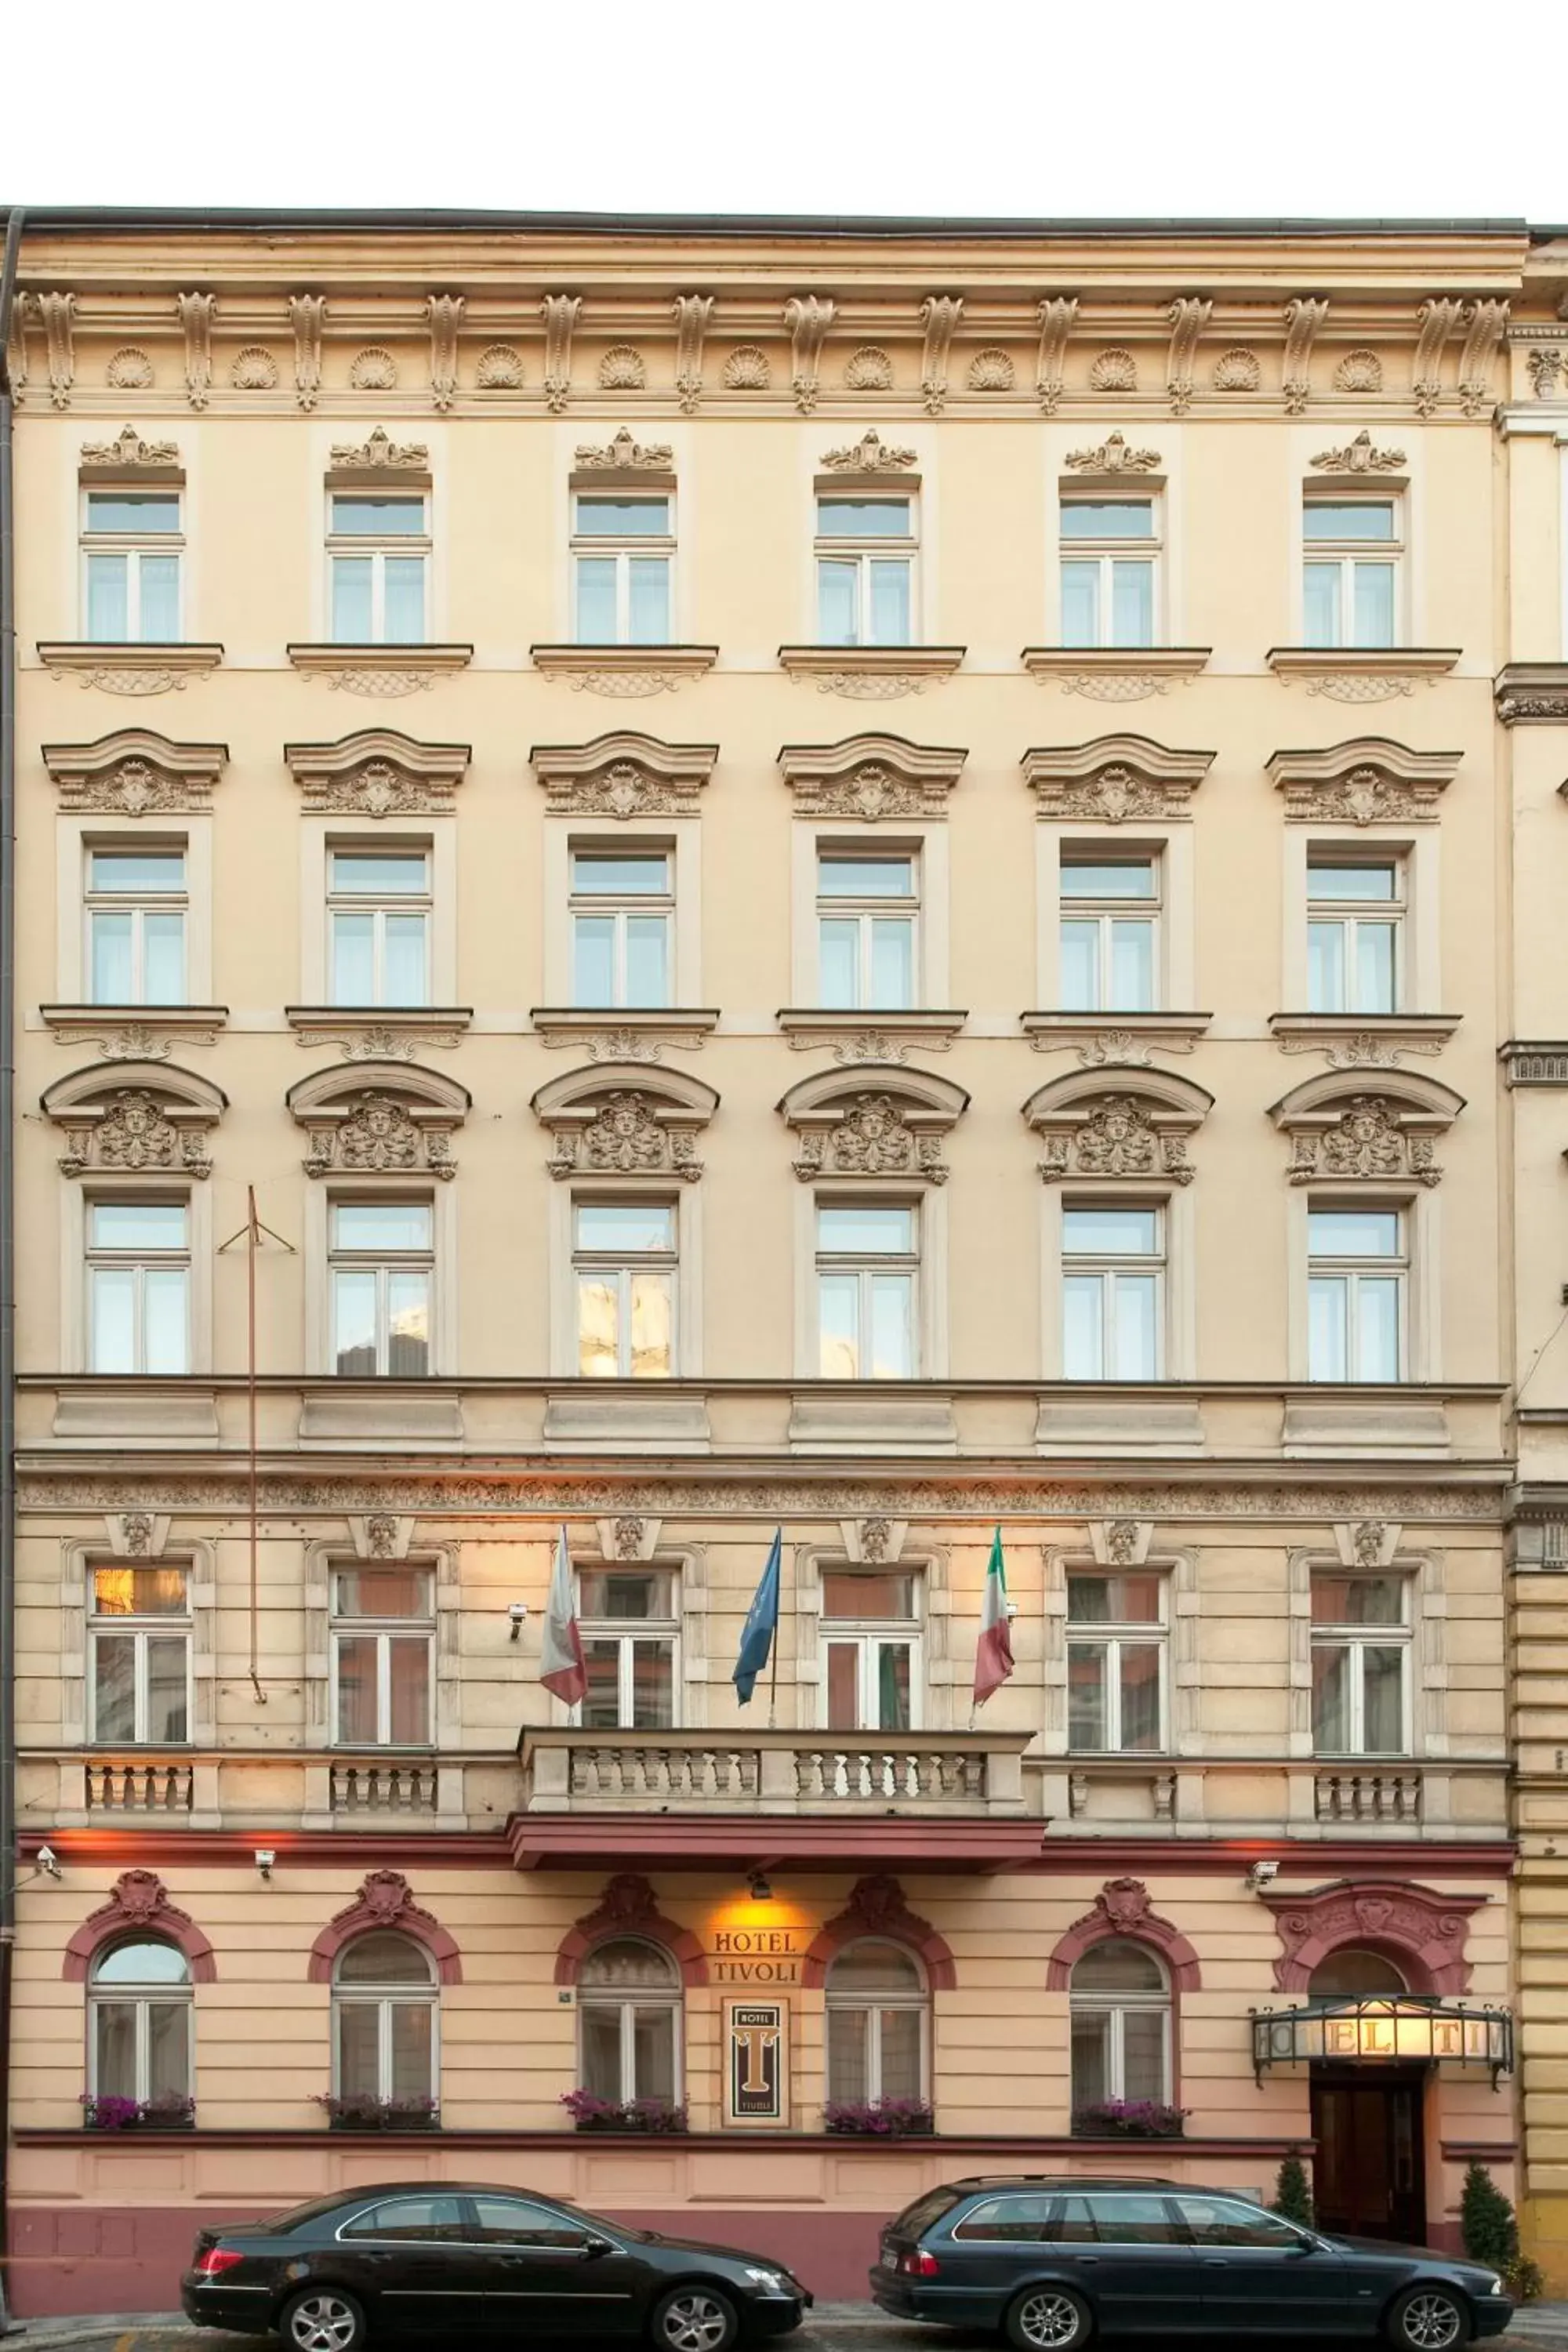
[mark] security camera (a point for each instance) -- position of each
(265, 1858)
(49, 1862)
(1262, 1874)
(517, 1612)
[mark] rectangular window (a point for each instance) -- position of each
(381, 1273)
(1351, 579)
(130, 546)
(623, 552)
(138, 1285)
(1355, 918)
(140, 1635)
(378, 550)
(1360, 1671)
(1113, 1293)
(135, 908)
(1110, 932)
(1358, 1267)
(630, 1620)
(864, 571)
(1116, 1662)
(378, 925)
(871, 1641)
(623, 927)
(383, 1641)
(1110, 559)
(867, 928)
(867, 1268)
(623, 1263)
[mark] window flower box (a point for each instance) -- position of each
(355, 2112)
(171, 2111)
(879, 2118)
(590, 2113)
(1128, 2119)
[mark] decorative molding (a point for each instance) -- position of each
(1138, 1130)
(1115, 1041)
(1113, 371)
(17, 348)
(692, 313)
(1339, 1137)
(372, 1035)
(499, 368)
(444, 317)
(1113, 457)
(877, 1906)
(1056, 315)
(895, 1130)
(1544, 367)
(1359, 371)
(870, 455)
(385, 1901)
(610, 1121)
(253, 369)
(871, 673)
(1436, 321)
(1368, 780)
(131, 1037)
(869, 370)
(1360, 457)
(379, 453)
(1359, 675)
(56, 313)
(1186, 318)
(1529, 694)
(1364, 1041)
(135, 773)
(629, 1908)
(129, 370)
(623, 672)
(941, 315)
(623, 369)
(1238, 371)
(623, 775)
(624, 454)
(806, 319)
(1304, 318)
(1487, 324)
(382, 672)
(624, 1036)
(307, 319)
(1114, 673)
(1114, 778)
(377, 774)
(379, 1118)
(560, 313)
(991, 369)
(131, 669)
(747, 369)
(885, 1037)
(196, 313)
(1536, 1062)
(1122, 1910)
(139, 1904)
(870, 777)
(1423, 1932)
(135, 1118)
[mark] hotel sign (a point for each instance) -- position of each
(759, 1956)
(756, 2068)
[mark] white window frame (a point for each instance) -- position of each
(680, 838)
(1176, 981)
(622, 548)
(1154, 1634)
(867, 1265)
(862, 552)
(865, 912)
(1350, 1270)
(928, 845)
(1115, 2005)
(1108, 1266)
(870, 1635)
(139, 1261)
(620, 907)
(870, 2010)
(1347, 554)
(377, 549)
(1178, 1311)
(1419, 852)
(625, 1631)
(623, 1263)
(1104, 552)
(687, 1317)
(1106, 910)
(140, 1998)
(381, 1261)
(138, 905)
(1400, 1637)
(384, 1999)
(76, 836)
(133, 546)
(382, 1631)
(628, 2003)
(1349, 914)
(378, 906)
(172, 1625)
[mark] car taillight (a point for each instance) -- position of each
(218, 2258)
(920, 2265)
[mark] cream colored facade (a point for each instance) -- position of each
(989, 410)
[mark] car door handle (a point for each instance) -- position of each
(1217, 2261)
(1088, 2260)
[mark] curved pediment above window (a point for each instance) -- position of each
(378, 772)
(1095, 1126)
(626, 1120)
(891, 1130)
(623, 776)
(379, 1118)
(1367, 780)
(135, 772)
(868, 777)
(1114, 778)
(1344, 1133)
(135, 1118)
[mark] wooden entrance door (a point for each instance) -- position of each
(1369, 2179)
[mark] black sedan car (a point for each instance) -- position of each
(1051, 2262)
(456, 2259)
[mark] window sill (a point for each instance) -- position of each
(1106, 1040)
(1361, 673)
(1534, 693)
(389, 670)
(133, 1032)
(614, 1033)
(1114, 673)
(871, 1035)
(629, 672)
(1354, 1041)
(131, 668)
(379, 1032)
(871, 673)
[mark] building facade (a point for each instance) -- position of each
(675, 882)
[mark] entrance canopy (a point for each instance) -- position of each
(1372, 2030)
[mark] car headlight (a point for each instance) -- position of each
(768, 2279)
(1496, 2286)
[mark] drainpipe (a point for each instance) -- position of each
(7, 1239)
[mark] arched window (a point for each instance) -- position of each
(628, 2007)
(878, 2033)
(1355, 1976)
(139, 2021)
(1121, 2004)
(383, 2019)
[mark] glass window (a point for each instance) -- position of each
(1357, 1271)
(868, 1266)
(878, 2028)
(628, 2022)
(1021, 2219)
(1113, 1285)
(621, 592)
(378, 551)
(1355, 912)
(1110, 932)
(135, 908)
(130, 566)
(864, 570)
(138, 1285)
(1230, 2221)
(868, 926)
(139, 1636)
(139, 2021)
(384, 1638)
(1124, 2221)
(1120, 2004)
(378, 925)
(383, 2027)
(1109, 579)
(623, 921)
(381, 1271)
(508, 2222)
(871, 1649)
(629, 1622)
(1360, 1649)
(1350, 596)
(625, 1259)
(428, 2219)
(1116, 1661)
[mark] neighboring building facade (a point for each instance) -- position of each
(858, 883)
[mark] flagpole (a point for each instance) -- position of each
(778, 1637)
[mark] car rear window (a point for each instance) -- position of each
(917, 2218)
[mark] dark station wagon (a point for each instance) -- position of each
(1051, 2262)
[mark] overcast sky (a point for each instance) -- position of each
(949, 106)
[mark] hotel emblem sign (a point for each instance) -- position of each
(756, 2070)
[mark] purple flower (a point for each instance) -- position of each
(110, 2114)
(589, 2112)
(1128, 2119)
(878, 2119)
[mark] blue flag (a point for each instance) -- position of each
(761, 1624)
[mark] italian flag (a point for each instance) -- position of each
(560, 1666)
(993, 1657)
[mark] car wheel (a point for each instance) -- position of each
(323, 2319)
(695, 2319)
(1048, 2319)
(1428, 2319)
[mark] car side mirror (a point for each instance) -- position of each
(594, 2247)
(1303, 2246)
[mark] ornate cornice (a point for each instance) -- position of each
(135, 1118)
(1532, 694)
(1359, 456)
(870, 777)
(893, 1129)
(131, 669)
(134, 774)
(870, 455)
(1113, 457)
(378, 1118)
(378, 774)
(624, 454)
(130, 454)
(1114, 778)
(610, 1121)
(1360, 674)
(1096, 1127)
(379, 455)
(1340, 1136)
(624, 673)
(381, 672)
(1114, 674)
(1367, 780)
(366, 1035)
(871, 673)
